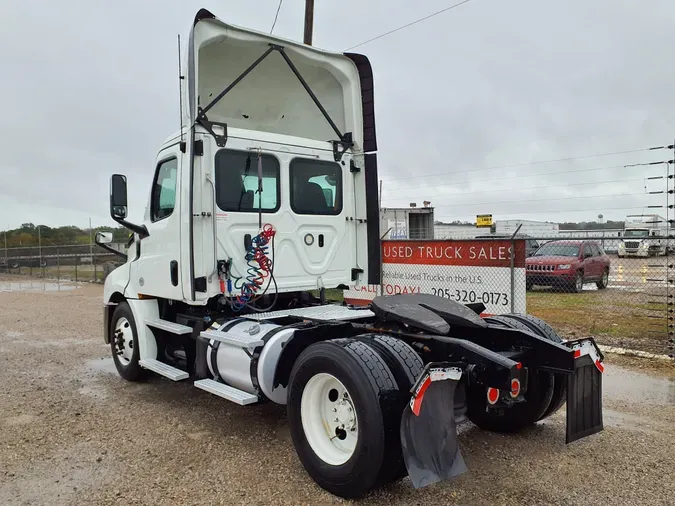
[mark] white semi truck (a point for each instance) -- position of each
(269, 193)
(644, 238)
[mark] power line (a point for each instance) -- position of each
(550, 211)
(591, 169)
(409, 24)
(515, 189)
(524, 201)
(276, 16)
(538, 162)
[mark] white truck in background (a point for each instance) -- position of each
(646, 237)
(270, 192)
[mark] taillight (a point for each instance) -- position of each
(492, 395)
(515, 388)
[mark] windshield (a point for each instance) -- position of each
(558, 250)
(636, 233)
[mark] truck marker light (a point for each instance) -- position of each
(492, 395)
(515, 388)
(577, 353)
(519, 366)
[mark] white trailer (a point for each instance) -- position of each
(268, 192)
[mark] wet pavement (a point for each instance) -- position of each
(36, 286)
(72, 432)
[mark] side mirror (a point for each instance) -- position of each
(103, 237)
(118, 197)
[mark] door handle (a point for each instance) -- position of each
(173, 267)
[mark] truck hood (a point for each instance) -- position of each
(271, 98)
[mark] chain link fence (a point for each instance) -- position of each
(618, 290)
(608, 288)
(77, 263)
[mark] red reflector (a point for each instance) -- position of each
(577, 353)
(492, 395)
(416, 404)
(599, 365)
(515, 387)
(519, 365)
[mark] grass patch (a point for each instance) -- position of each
(628, 316)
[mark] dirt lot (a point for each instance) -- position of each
(73, 432)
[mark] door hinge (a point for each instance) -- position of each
(199, 147)
(353, 167)
(355, 273)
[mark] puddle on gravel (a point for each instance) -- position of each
(646, 425)
(95, 391)
(33, 286)
(626, 385)
(105, 364)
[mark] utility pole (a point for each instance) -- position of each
(91, 243)
(39, 248)
(309, 21)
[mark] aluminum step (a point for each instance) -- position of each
(163, 369)
(239, 340)
(173, 328)
(226, 392)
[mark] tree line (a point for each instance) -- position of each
(28, 235)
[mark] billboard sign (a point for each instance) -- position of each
(465, 271)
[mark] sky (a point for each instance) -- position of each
(90, 89)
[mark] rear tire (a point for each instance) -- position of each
(374, 399)
(543, 329)
(406, 366)
(539, 395)
(604, 280)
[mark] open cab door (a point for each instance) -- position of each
(280, 133)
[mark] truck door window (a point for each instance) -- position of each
(237, 182)
(164, 190)
(316, 187)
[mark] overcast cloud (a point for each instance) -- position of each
(90, 89)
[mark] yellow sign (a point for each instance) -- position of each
(484, 220)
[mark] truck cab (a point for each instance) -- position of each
(300, 161)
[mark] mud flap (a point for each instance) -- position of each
(584, 393)
(428, 429)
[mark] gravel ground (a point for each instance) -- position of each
(73, 432)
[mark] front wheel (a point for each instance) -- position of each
(344, 411)
(124, 343)
(578, 283)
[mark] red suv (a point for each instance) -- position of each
(568, 264)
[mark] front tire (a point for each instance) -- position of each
(124, 343)
(344, 410)
(578, 283)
